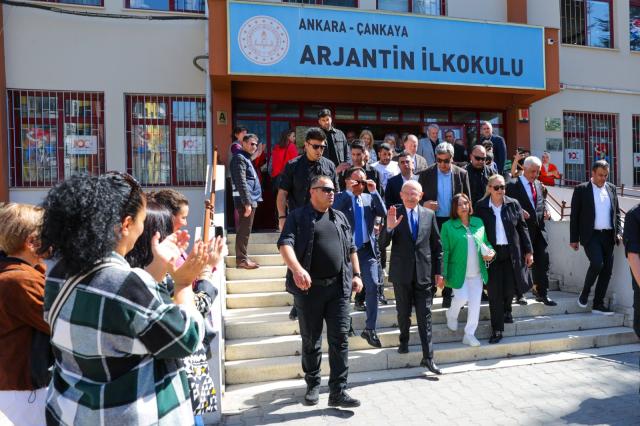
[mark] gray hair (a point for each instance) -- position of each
(444, 148)
(412, 183)
(532, 161)
(482, 123)
(433, 126)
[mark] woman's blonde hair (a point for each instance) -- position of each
(19, 222)
(367, 133)
(490, 182)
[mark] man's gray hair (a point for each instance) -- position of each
(532, 161)
(413, 184)
(444, 148)
(433, 126)
(482, 123)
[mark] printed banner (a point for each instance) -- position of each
(574, 156)
(295, 41)
(81, 145)
(190, 145)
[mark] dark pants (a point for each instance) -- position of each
(447, 292)
(243, 231)
(540, 264)
(636, 309)
(369, 270)
(599, 250)
(318, 305)
(409, 295)
(501, 287)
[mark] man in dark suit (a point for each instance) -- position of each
(441, 181)
(478, 173)
(416, 257)
(394, 184)
(498, 145)
(596, 224)
(357, 160)
(411, 146)
(361, 211)
(527, 189)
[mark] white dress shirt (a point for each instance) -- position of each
(602, 205)
(473, 265)
(501, 235)
(527, 188)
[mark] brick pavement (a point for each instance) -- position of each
(588, 391)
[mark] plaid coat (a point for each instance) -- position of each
(117, 343)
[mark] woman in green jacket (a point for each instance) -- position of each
(466, 248)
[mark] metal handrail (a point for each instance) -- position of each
(561, 206)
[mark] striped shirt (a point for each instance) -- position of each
(117, 342)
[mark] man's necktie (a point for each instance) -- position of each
(357, 212)
(414, 225)
(534, 194)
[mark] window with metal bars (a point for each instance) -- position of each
(587, 22)
(53, 135)
(187, 6)
(423, 7)
(635, 120)
(166, 139)
(98, 3)
(588, 137)
(634, 25)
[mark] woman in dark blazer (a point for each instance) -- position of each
(507, 232)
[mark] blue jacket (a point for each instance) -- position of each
(244, 180)
(373, 206)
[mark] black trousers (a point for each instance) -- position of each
(501, 287)
(324, 304)
(599, 251)
(540, 268)
(447, 292)
(410, 295)
(636, 309)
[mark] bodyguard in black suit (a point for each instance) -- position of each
(416, 257)
(394, 184)
(596, 224)
(527, 189)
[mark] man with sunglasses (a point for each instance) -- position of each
(247, 193)
(441, 181)
(478, 173)
(318, 248)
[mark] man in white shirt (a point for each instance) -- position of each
(386, 167)
(596, 225)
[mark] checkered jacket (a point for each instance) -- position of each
(118, 341)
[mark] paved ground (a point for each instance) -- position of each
(589, 391)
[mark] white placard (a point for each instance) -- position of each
(81, 145)
(636, 159)
(190, 145)
(574, 156)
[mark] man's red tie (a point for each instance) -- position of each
(534, 194)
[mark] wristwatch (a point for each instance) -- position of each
(357, 274)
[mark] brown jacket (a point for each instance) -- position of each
(21, 299)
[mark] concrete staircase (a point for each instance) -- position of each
(263, 345)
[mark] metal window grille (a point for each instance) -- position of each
(587, 22)
(589, 137)
(53, 135)
(636, 149)
(166, 139)
(187, 6)
(422, 7)
(98, 3)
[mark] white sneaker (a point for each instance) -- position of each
(452, 323)
(470, 339)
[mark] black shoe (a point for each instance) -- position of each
(484, 297)
(496, 336)
(343, 400)
(430, 365)
(293, 314)
(403, 349)
(583, 300)
(521, 301)
(359, 306)
(508, 318)
(351, 332)
(371, 337)
(383, 300)
(446, 302)
(546, 301)
(601, 310)
(313, 395)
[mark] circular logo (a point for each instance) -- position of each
(263, 40)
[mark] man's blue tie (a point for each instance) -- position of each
(414, 225)
(357, 212)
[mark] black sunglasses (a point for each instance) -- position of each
(480, 158)
(499, 187)
(316, 147)
(360, 182)
(325, 189)
(441, 160)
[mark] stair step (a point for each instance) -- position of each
(278, 346)
(274, 321)
(255, 248)
(258, 237)
(262, 259)
(273, 299)
(252, 274)
(288, 367)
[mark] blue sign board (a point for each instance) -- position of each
(320, 42)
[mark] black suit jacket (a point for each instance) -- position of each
(421, 163)
(583, 213)
(420, 260)
(392, 191)
(535, 223)
(429, 181)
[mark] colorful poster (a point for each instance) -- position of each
(634, 27)
(190, 145)
(81, 145)
(574, 156)
(552, 124)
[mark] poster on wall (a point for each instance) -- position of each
(190, 145)
(636, 159)
(574, 156)
(81, 145)
(634, 26)
(552, 124)
(554, 144)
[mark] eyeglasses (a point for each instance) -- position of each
(317, 147)
(442, 160)
(359, 182)
(480, 158)
(253, 144)
(134, 185)
(499, 187)
(325, 189)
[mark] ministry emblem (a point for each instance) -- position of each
(263, 40)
